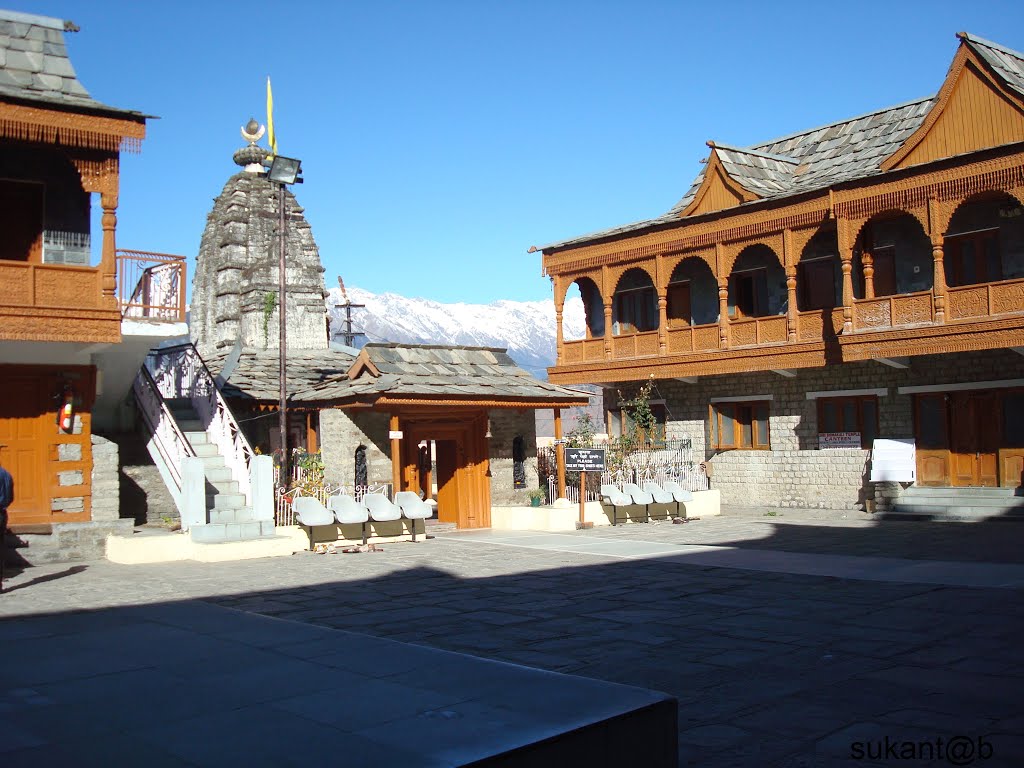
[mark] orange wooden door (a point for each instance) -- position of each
(23, 448)
(974, 439)
(447, 482)
(931, 433)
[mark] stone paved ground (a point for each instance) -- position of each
(770, 669)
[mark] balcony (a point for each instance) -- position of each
(982, 316)
(68, 303)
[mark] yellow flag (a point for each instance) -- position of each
(271, 136)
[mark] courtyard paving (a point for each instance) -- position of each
(799, 638)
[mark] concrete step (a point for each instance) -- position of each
(973, 493)
(212, 462)
(205, 450)
(217, 532)
(240, 515)
(217, 474)
(188, 423)
(226, 501)
(222, 486)
(963, 501)
(197, 437)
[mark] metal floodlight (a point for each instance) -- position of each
(284, 170)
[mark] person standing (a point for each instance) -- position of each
(6, 499)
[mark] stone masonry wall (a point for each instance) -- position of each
(341, 433)
(106, 504)
(506, 424)
(795, 472)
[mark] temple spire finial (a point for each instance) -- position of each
(251, 157)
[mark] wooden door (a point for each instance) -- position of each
(885, 271)
(447, 482)
(23, 447)
(679, 308)
(931, 433)
(974, 439)
(818, 284)
(973, 258)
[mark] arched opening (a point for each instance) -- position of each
(819, 280)
(361, 472)
(583, 311)
(899, 253)
(635, 304)
(757, 284)
(985, 241)
(692, 294)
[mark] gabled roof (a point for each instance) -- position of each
(821, 157)
(34, 65)
(403, 371)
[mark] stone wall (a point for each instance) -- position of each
(106, 493)
(794, 472)
(506, 425)
(341, 433)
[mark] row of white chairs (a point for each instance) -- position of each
(345, 510)
(632, 494)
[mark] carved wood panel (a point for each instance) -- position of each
(969, 301)
(1007, 296)
(772, 330)
(743, 333)
(706, 337)
(872, 313)
(915, 308)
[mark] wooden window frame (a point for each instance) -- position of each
(617, 417)
(756, 277)
(674, 288)
(804, 283)
(979, 238)
(838, 403)
(638, 300)
(722, 410)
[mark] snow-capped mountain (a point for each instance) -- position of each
(525, 328)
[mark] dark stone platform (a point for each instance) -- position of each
(190, 683)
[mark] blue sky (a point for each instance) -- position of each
(440, 140)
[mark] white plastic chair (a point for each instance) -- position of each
(348, 511)
(381, 509)
(661, 496)
(616, 498)
(680, 494)
(639, 496)
(310, 512)
(413, 508)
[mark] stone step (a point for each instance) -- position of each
(962, 501)
(196, 437)
(927, 491)
(955, 513)
(216, 532)
(240, 515)
(226, 501)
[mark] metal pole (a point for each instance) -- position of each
(282, 406)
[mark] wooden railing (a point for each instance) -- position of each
(151, 286)
(819, 324)
(54, 286)
(892, 311)
(693, 338)
(635, 345)
(582, 351)
(758, 330)
(985, 300)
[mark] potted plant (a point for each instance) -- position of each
(536, 495)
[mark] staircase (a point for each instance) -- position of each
(229, 518)
(959, 504)
(201, 453)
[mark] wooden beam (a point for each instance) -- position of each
(559, 453)
(396, 455)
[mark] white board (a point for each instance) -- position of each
(894, 461)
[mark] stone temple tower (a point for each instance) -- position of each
(235, 288)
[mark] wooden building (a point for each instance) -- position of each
(63, 311)
(859, 280)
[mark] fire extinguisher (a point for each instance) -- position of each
(66, 414)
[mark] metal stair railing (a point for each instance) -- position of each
(168, 444)
(181, 373)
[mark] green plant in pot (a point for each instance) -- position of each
(536, 497)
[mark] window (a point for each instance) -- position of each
(679, 310)
(748, 293)
(635, 310)
(620, 423)
(740, 425)
(849, 414)
(818, 284)
(884, 263)
(973, 258)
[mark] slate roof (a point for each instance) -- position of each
(255, 377)
(831, 154)
(406, 370)
(34, 64)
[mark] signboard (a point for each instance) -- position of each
(839, 440)
(395, 435)
(584, 459)
(894, 461)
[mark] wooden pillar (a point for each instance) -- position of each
(396, 456)
(791, 313)
(867, 261)
(662, 322)
(558, 334)
(723, 313)
(559, 453)
(108, 263)
(608, 331)
(939, 280)
(846, 256)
